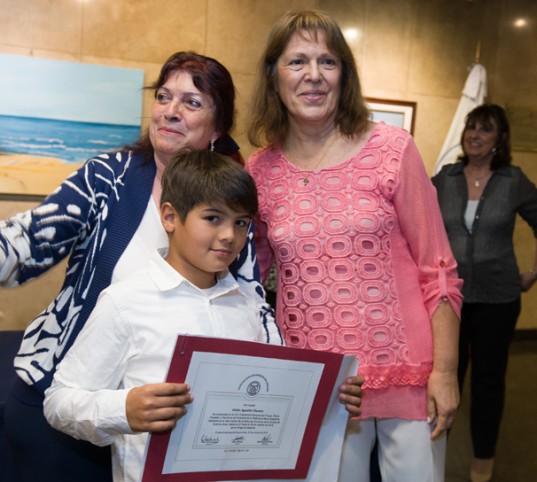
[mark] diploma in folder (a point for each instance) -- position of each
(259, 412)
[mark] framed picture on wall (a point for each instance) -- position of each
(394, 112)
(54, 115)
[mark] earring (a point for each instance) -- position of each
(212, 145)
(493, 150)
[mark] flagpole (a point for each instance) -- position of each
(478, 51)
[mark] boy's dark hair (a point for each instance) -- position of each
(203, 177)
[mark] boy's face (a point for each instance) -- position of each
(206, 243)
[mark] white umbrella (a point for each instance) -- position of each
(473, 94)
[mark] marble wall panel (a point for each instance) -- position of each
(516, 71)
(352, 17)
(446, 39)
(143, 30)
(16, 23)
(387, 45)
(238, 40)
(57, 25)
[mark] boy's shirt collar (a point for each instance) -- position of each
(166, 278)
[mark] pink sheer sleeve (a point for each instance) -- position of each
(422, 226)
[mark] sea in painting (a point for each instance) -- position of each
(72, 142)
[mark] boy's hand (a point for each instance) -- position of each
(156, 407)
(350, 395)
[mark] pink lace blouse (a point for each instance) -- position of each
(363, 262)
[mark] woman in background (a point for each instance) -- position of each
(480, 197)
(364, 264)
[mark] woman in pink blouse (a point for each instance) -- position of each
(364, 265)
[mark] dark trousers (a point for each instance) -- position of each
(42, 454)
(485, 335)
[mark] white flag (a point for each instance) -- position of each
(473, 94)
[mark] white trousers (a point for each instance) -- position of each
(405, 450)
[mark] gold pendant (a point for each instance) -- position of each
(306, 181)
(476, 183)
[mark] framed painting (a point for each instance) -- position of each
(54, 115)
(394, 112)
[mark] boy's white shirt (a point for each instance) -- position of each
(128, 342)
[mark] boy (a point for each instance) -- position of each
(104, 389)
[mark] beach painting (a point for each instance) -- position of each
(54, 115)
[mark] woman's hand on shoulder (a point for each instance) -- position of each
(157, 407)
(350, 395)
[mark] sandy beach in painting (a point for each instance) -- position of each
(23, 174)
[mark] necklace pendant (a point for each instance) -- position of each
(306, 181)
(476, 183)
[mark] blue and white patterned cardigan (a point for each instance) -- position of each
(91, 216)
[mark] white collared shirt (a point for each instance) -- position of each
(128, 341)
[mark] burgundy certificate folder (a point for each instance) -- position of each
(261, 426)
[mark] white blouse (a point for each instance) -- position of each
(469, 214)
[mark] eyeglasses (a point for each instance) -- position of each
(190, 101)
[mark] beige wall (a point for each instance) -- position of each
(413, 50)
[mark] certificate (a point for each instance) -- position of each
(257, 411)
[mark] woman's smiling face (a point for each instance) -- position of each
(181, 117)
(308, 79)
(479, 139)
